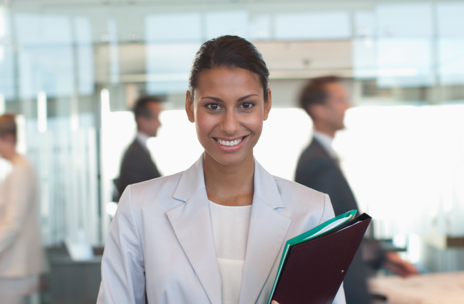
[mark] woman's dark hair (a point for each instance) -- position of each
(229, 52)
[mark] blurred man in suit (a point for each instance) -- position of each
(21, 255)
(326, 100)
(137, 165)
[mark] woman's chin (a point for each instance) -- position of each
(229, 159)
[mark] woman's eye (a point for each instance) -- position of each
(247, 105)
(213, 106)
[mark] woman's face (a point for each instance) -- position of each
(228, 110)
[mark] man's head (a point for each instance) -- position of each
(8, 132)
(146, 112)
(326, 99)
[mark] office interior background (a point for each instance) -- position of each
(72, 69)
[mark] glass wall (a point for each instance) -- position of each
(72, 72)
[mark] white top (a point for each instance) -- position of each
(230, 231)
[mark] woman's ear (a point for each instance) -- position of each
(189, 107)
(267, 104)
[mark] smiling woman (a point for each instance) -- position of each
(215, 232)
(229, 121)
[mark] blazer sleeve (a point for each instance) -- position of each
(16, 208)
(123, 270)
(327, 214)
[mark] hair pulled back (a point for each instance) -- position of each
(230, 52)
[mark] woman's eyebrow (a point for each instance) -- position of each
(220, 100)
(245, 97)
(213, 98)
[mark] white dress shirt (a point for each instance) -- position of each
(142, 138)
(230, 231)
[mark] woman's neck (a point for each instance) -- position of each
(231, 185)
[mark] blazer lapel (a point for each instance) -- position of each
(192, 225)
(268, 230)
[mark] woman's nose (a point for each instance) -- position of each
(230, 122)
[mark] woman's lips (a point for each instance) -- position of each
(230, 145)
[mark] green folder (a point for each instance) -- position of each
(320, 230)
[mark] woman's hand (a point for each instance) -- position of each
(274, 302)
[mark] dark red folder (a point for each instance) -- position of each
(314, 269)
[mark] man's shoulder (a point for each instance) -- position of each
(134, 147)
(314, 164)
(314, 157)
(314, 151)
(134, 152)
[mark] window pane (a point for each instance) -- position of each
(322, 25)
(226, 23)
(450, 19)
(178, 27)
(168, 66)
(45, 57)
(405, 20)
(404, 62)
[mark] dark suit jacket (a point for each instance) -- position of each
(317, 170)
(136, 166)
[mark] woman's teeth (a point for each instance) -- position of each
(229, 143)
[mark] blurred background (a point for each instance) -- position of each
(73, 69)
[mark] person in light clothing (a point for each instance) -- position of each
(215, 232)
(21, 255)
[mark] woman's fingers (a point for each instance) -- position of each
(274, 302)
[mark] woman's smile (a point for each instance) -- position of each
(230, 145)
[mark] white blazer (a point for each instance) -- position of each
(161, 240)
